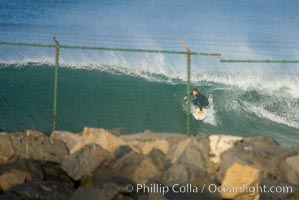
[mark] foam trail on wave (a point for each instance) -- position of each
(262, 113)
(211, 113)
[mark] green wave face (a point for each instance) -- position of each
(123, 99)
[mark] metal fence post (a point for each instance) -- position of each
(55, 85)
(188, 53)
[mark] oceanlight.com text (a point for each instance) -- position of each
(211, 188)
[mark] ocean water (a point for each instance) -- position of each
(140, 91)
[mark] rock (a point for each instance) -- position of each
(238, 176)
(6, 148)
(150, 136)
(34, 133)
(98, 136)
(116, 186)
(53, 171)
(146, 147)
(39, 147)
(291, 169)
(42, 189)
(121, 131)
(8, 197)
(260, 140)
(189, 163)
(265, 156)
(158, 157)
(12, 178)
(193, 151)
(70, 139)
(98, 194)
(183, 174)
(128, 164)
(220, 144)
(84, 161)
(287, 190)
(153, 196)
(37, 169)
(91, 194)
(108, 188)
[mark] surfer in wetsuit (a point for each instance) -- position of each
(201, 101)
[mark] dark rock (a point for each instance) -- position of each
(98, 194)
(9, 197)
(158, 157)
(89, 193)
(42, 189)
(193, 151)
(122, 151)
(38, 147)
(30, 166)
(84, 161)
(128, 164)
(289, 191)
(12, 178)
(117, 185)
(37, 169)
(53, 171)
(182, 173)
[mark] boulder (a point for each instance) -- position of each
(84, 161)
(98, 194)
(148, 135)
(291, 169)
(183, 174)
(37, 169)
(8, 197)
(34, 133)
(189, 163)
(38, 147)
(91, 194)
(285, 190)
(97, 136)
(128, 164)
(220, 144)
(193, 151)
(6, 148)
(70, 139)
(42, 189)
(158, 158)
(153, 196)
(259, 152)
(147, 146)
(12, 178)
(116, 185)
(237, 177)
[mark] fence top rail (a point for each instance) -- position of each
(258, 61)
(108, 48)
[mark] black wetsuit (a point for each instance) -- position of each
(200, 100)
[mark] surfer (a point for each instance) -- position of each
(200, 100)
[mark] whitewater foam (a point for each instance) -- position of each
(211, 113)
(170, 69)
(265, 114)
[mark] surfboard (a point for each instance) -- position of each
(197, 113)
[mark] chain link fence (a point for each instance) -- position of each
(52, 86)
(48, 87)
